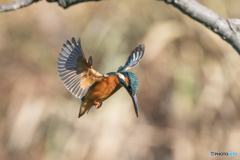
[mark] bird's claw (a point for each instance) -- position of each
(99, 104)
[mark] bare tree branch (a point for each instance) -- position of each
(228, 29)
(25, 3)
(67, 3)
(16, 5)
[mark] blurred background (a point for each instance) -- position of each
(189, 93)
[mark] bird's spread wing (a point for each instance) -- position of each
(134, 58)
(74, 70)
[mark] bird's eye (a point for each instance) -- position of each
(130, 89)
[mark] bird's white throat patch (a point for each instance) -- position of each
(121, 76)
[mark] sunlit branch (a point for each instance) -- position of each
(68, 3)
(16, 5)
(25, 3)
(228, 29)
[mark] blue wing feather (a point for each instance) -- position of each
(134, 58)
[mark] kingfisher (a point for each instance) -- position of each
(92, 87)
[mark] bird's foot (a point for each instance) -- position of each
(99, 104)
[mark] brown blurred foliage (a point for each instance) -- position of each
(188, 95)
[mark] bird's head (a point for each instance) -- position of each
(130, 83)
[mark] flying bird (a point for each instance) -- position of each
(92, 87)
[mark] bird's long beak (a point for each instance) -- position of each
(134, 98)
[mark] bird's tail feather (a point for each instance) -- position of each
(82, 110)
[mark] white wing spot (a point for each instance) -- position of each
(137, 55)
(134, 56)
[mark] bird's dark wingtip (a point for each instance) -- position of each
(90, 61)
(79, 41)
(142, 47)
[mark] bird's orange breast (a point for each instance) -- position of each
(102, 90)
